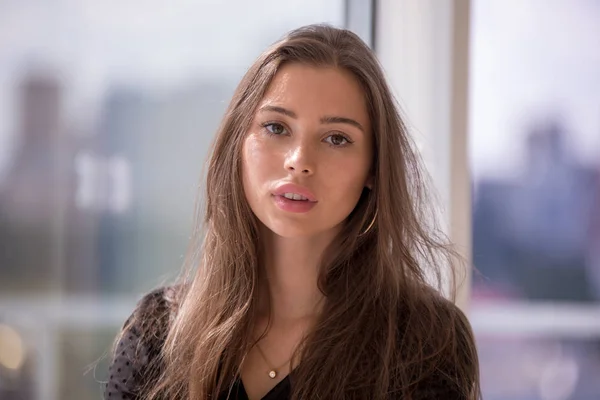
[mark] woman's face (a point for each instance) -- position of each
(307, 155)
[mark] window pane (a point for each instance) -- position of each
(534, 153)
(529, 368)
(106, 116)
(81, 368)
(535, 149)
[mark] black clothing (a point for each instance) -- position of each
(130, 369)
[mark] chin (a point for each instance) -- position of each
(292, 230)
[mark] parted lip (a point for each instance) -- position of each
(293, 188)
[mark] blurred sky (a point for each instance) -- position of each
(532, 59)
(91, 44)
(529, 58)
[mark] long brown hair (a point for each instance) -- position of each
(384, 329)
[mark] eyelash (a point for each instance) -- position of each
(267, 124)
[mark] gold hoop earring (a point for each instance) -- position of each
(370, 225)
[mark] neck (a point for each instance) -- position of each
(291, 268)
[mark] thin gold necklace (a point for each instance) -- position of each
(272, 371)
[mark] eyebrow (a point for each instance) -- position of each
(323, 120)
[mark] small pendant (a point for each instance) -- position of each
(272, 374)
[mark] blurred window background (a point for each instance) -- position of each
(107, 112)
(534, 153)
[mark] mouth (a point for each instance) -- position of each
(300, 205)
(294, 192)
(294, 198)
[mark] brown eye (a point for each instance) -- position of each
(274, 128)
(337, 140)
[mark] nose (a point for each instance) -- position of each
(300, 160)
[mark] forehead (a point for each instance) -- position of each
(317, 91)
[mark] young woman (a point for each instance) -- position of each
(312, 279)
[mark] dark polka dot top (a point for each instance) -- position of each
(136, 360)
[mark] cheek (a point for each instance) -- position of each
(256, 162)
(349, 176)
(346, 183)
